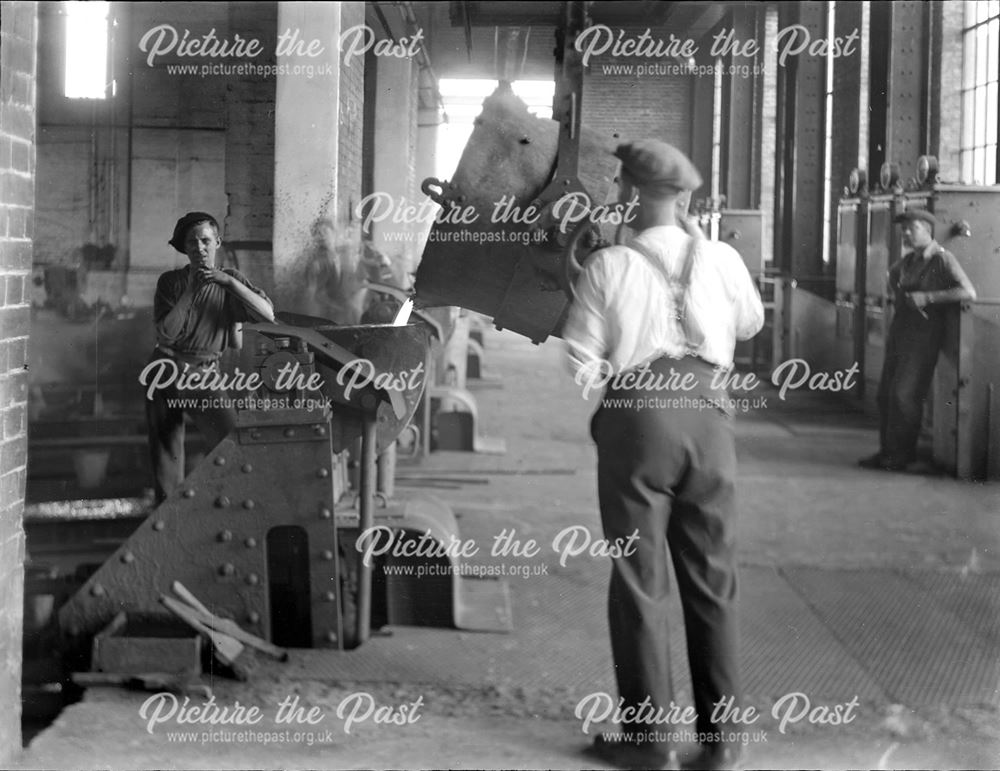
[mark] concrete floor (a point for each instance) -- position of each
(856, 585)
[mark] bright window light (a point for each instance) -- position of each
(831, 17)
(86, 49)
(537, 94)
(463, 101)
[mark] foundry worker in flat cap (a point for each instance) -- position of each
(666, 300)
(197, 311)
(924, 283)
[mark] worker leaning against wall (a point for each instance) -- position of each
(924, 283)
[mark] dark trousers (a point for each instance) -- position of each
(165, 418)
(911, 355)
(669, 473)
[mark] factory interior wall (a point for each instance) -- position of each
(18, 57)
(631, 107)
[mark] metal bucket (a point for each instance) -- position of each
(481, 254)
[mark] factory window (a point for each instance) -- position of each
(717, 130)
(86, 50)
(828, 135)
(981, 45)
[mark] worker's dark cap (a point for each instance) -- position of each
(916, 214)
(185, 223)
(658, 166)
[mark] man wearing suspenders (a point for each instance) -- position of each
(667, 308)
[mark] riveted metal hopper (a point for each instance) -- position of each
(252, 529)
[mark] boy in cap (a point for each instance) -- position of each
(923, 283)
(668, 301)
(196, 310)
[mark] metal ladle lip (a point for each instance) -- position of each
(331, 353)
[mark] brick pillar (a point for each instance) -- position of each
(18, 31)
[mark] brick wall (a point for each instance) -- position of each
(652, 106)
(18, 32)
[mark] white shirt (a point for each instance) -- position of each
(624, 311)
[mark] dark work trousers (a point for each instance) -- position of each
(669, 472)
(911, 353)
(165, 419)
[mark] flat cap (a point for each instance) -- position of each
(653, 164)
(916, 214)
(185, 223)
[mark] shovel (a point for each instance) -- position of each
(228, 650)
(226, 626)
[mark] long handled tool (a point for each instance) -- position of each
(226, 626)
(228, 649)
(149, 681)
